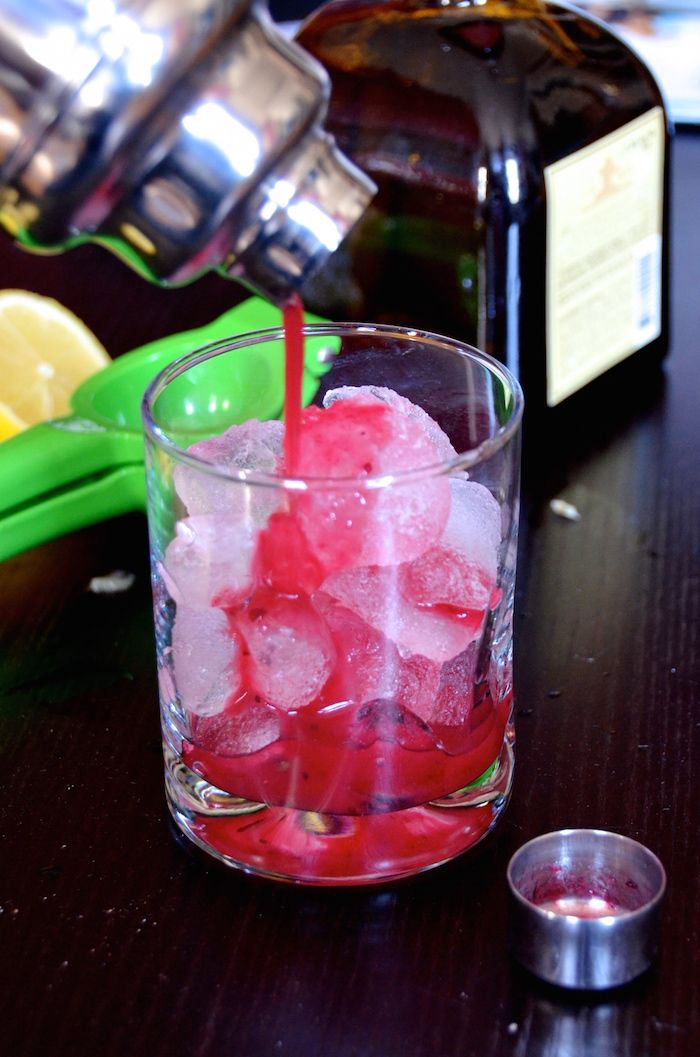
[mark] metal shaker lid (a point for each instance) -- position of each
(183, 134)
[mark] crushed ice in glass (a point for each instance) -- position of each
(206, 659)
(370, 586)
(254, 447)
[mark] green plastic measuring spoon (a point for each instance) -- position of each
(74, 471)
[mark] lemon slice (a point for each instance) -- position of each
(10, 423)
(45, 352)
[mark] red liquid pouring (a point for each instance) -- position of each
(293, 317)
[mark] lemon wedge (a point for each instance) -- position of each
(45, 352)
(10, 423)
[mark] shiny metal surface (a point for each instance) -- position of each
(585, 907)
(296, 217)
(152, 125)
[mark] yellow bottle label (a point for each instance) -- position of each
(604, 225)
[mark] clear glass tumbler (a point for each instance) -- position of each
(335, 647)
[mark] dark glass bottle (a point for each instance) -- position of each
(521, 151)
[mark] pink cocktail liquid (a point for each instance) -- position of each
(353, 730)
(374, 798)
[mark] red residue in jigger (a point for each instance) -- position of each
(583, 894)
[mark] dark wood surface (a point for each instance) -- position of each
(116, 939)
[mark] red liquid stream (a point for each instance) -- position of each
(293, 317)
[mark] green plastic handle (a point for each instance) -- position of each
(96, 499)
(35, 464)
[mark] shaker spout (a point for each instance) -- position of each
(297, 217)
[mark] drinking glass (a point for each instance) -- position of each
(334, 648)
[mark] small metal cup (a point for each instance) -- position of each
(585, 907)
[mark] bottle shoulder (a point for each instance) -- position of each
(501, 65)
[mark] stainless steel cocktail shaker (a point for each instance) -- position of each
(183, 134)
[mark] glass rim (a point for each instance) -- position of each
(461, 461)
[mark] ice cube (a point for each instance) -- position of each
(389, 721)
(206, 660)
(442, 443)
(209, 560)
(367, 664)
(456, 691)
(440, 695)
(375, 594)
(242, 729)
(474, 525)
(362, 437)
(459, 574)
(369, 667)
(288, 650)
(370, 671)
(255, 446)
(446, 578)
(166, 684)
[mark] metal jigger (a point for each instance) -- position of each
(585, 907)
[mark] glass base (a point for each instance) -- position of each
(310, 848)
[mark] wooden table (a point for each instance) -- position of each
(116, 939)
